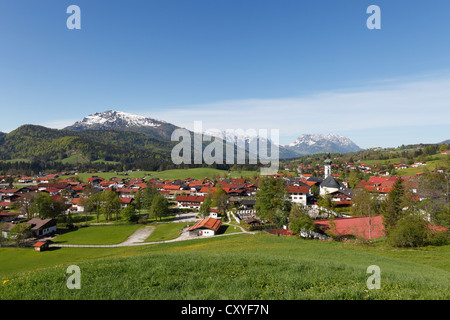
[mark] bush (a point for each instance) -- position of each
(410, 231)
(129, 214)
(142, 220)
(440, 239)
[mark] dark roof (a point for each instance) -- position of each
(37, 223)
(330, 182)
(248, 202)
(346, 191)
(316, 179)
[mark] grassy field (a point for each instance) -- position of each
(235, 267)
(98, 234)
(200, 173)
(167, 231)
(195, 173)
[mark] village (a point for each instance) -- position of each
(186, 197)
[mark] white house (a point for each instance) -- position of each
(298, 194)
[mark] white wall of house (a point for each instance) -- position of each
(191, 206)
(325, 190)
(48, 230)
(213, 215)
(206, 233)
(298, 198)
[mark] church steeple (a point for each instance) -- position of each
(327, 166)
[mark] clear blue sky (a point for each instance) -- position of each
(297, 66)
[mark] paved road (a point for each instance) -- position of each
(140, 235)
(136, 239)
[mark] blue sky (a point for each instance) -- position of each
(297, 66)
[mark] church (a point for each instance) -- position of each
(341, 195)
(329, 183)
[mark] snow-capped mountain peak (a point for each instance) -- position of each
(318, 143)
(123, 121)
(117, 118)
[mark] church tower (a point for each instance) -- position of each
(327, 167)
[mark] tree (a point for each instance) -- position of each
(59, 206)
(220, 199)
(19, 233)
(147, 197)
(110, 203)
(206, 205)
(138, 200)
(364, 205)
(354, 178)
(315, 191)
(326, 202)
(299, 221)
(129, 214)
(281, 218)
(25, 206)
(411, 230)
(160, 207)
(93, 204)
(392, 207)
(10, 181)
(43, 205)
(271, 197)
(434, 190)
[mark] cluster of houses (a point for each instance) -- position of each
(190, 194)
(374, 169)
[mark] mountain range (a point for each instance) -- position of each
(125, 141)
(120, 138)
(122, 121)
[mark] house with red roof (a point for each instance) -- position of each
(126, 201)
(298, 194)
(193, 202)
(77, 204)
(206, 227)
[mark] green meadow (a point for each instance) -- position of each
(195, 173)
(98, 234)
(247, 267)
(167, 231)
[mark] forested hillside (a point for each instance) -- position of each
(31, 144)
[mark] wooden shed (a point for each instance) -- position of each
(40, 246)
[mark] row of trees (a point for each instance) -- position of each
(42, 205)
(108, 204)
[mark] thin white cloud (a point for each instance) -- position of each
(415, 103)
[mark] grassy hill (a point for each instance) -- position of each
(234, 267)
